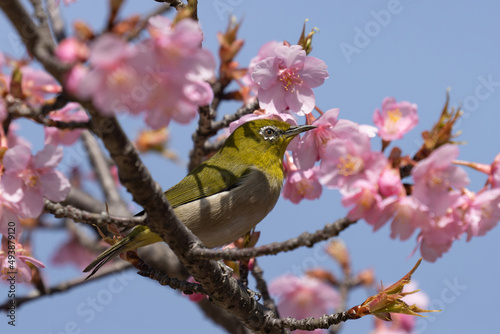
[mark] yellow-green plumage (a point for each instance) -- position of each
(228, 194)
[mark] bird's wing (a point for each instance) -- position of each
(215, 179)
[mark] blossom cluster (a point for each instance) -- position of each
(165, 76)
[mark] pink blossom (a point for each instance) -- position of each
(111, 76)
(9, 212)
(70, 112)
(36, 84)
(21, 266)
(435, 175)
(390, 183)
(286, 78)
(181, 70)
(71, 50)
(328, 127)
(73, 252)
(367, 203)
(409, 214)
(495, 173)
(27, 179)
(395, 119)
(437, 238)
(301, 297)
(265, 51)
(300, 184)
(483, 213)
(73, 78)
(346, 161)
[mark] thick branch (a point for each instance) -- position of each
(305, 239)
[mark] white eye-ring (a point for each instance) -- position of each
(269, 132)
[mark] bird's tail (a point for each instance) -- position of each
(140, 236)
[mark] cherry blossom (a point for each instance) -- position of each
(390, 183)
(20, 266)
(409, 214)
(483, 213)
(27, 179)
(285, 80)
(302, 297)
(346, 161)
(300, 184)
(328, 126)
(395, 119)
(438, 236)
(37, 84)
(70, 112)
(435, 175)
(111, 76)
(9, 212)
(367, 203)
(71, 50)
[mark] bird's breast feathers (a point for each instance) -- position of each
(225, 216)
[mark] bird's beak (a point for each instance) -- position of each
(295, 130)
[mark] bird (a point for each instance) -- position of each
(226, 195)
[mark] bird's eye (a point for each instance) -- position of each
(269, 132)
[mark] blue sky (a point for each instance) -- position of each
(412, 50)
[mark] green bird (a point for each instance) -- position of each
(227, 195)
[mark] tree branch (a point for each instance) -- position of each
(143, 23)
(228, 119)
(99, 219)
(103, 173)
(305, 239)
(310, 323)
(258, 274)
(17, 108)
(185, 287)
(55, 19)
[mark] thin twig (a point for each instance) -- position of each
(17, 108)
(228, 119)
(185, 287)
(258, 274)
(56, 20)
(42, 19)
(99, 219)
(103, 173)
(177, 4)
(305, 239)
(143, 23)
